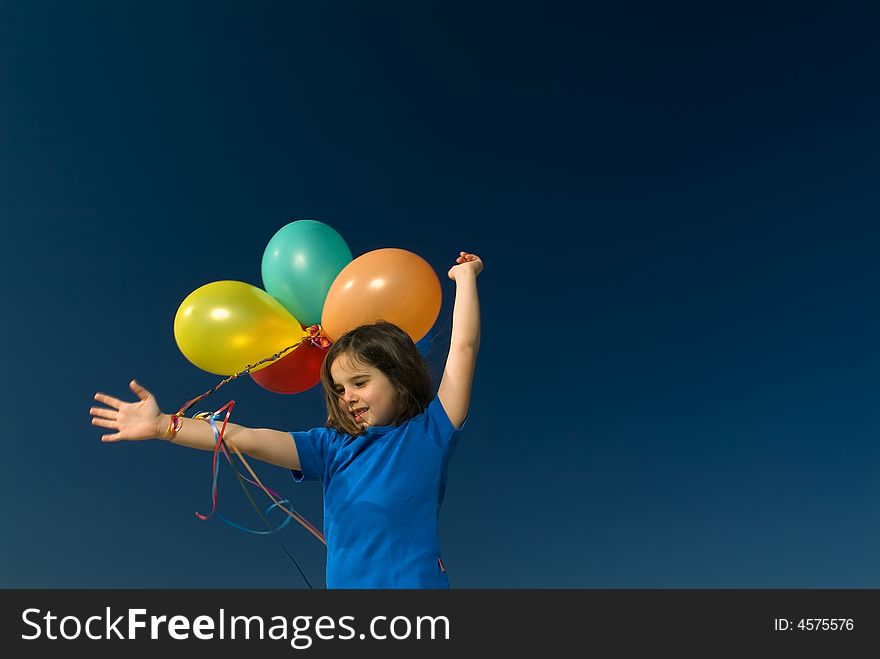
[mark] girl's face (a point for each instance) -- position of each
(363, 391)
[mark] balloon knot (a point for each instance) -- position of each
(317, 338)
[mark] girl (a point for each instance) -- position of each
(383, 457)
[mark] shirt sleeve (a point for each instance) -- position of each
(438, 426)
(311, 447)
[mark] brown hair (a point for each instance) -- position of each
(389, 349)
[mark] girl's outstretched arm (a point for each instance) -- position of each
(458, 376)
(143, 420)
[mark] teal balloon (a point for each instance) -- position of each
(299, 265)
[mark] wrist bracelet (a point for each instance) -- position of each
(173, 426)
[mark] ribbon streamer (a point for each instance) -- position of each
(316, 338)
(220, 445)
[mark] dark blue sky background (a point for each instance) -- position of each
(677, 207)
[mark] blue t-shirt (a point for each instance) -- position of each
(382, 495)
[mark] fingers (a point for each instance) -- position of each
(142, 393)
(109, 418)
(108, 400)
(104, 413)
(105, 423)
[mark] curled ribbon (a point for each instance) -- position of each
(315, 337)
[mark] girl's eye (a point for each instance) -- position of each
(359, 384)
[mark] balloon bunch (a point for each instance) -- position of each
(313, 293)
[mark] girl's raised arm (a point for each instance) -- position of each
(458, 375)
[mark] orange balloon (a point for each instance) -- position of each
(386, 284)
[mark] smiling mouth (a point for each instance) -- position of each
(359, 413)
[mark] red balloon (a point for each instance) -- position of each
(295, 372)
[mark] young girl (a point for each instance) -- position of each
(383, 456)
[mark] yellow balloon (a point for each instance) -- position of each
(224, 326)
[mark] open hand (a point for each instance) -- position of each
(466, 261)
(131, 421)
